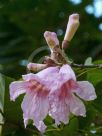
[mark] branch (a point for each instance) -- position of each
(1, 123)
(2, 113)
(86, 66)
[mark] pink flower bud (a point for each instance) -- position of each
(36, 67)
(72, 26)
(51, 39)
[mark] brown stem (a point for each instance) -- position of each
(86, 66)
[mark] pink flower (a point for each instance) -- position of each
(63, 100)
(52, 91)
(35, 104)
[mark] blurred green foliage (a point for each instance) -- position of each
(23, 22)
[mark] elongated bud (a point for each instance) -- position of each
(51, 39)
(72, 26)
(36, 67)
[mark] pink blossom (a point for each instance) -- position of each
(63, 100)
(52, 91)
(35, 104)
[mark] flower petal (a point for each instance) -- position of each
(48, 71)
(29, 77)
(67, 71)
(76, 106)
(17, 88)
(40, 125)
(64, 76)
(58, 109)
(86, 91)
(45, 77)
(35, 107)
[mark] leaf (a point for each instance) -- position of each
(95, 75)
(1, 120)
(88, 61)
(65, 130)
(12, 110)
(98, 102)
(84, 123)
(2, 91)
(72, 128)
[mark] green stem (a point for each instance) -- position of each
(1, 113)
(86, 72)
(1, 123)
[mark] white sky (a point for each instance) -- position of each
(95, 8)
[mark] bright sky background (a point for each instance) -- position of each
(95, 8)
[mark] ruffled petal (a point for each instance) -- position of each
(45, 77)
(35, 107)
(48, 71)
(17, 88)
(31, 77)
(65, 75)
(59, 110)
(86, 91)
(67, 71)
(40, 125)
(42, 74)
(76, 106)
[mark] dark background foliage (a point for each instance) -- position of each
(23, 22)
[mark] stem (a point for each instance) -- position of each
(49, 130)
(1, 123)
(98, 128)
(85, 72)
(86, 66)
(1, 113)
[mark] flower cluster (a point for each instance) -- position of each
(53, 91)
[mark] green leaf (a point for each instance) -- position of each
(84, 123)
(65, 130)
(98, 102)
(72, 128)
(12, 110)
(95, 76)
(2, 91)
(88, 61)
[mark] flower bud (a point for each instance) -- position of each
(36, 67)
(51, 39)
(72, 26)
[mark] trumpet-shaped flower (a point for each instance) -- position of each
(52, 91)
(35, 104)
(63, 99)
